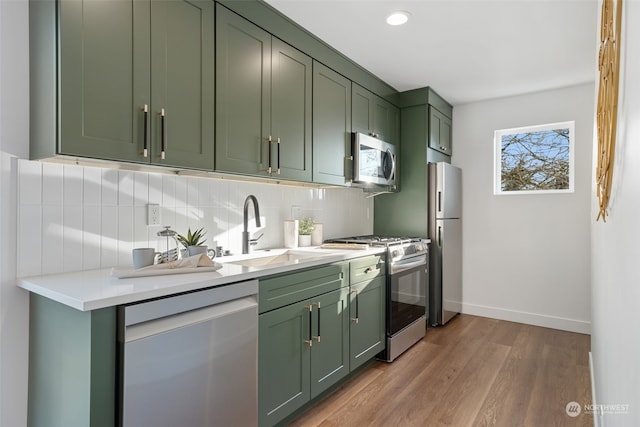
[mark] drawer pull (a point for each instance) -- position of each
(310, 340)
(317, 338)
(278, 159)
(163, 134)
(270, 141)
(145, 137)
(356, 319)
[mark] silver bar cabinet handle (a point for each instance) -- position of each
(270, 141)
(278, 169)
(356, 319)
(310, 340)
(145, 135)
(163, 136)
(317, 338)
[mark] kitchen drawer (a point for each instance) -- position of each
(367, 268)
(281, 290)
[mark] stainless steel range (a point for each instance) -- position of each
(406, 289)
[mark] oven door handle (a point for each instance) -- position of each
(398, 268)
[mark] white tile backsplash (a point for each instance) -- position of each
(78, 218)
(51, 183)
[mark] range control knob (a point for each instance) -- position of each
(395, 253)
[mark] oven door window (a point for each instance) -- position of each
(408, 294)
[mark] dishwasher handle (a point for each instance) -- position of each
(156, 309)
(181, 320)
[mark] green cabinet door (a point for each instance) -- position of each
(124, 62)
(243, 82)
(104, 66)
(367, 332)
(291, 85)
(331, 126)
(439, 131)
(283, 361)
(372, 115)
(361, 109)
(330, 331)
(386, 120)
(182, 82)
(263, 104)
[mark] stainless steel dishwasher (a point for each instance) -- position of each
(191, 360)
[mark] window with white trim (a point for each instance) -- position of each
(534, 159)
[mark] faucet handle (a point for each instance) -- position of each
(255, 240)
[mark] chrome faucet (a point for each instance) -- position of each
(245, 221)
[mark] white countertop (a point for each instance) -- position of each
(95, 289)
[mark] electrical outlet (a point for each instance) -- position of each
(153, 214)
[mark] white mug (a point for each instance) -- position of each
(195, 250)
(143, 257)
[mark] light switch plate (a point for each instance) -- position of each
(153, 214)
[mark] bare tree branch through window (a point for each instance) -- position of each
(535, 159)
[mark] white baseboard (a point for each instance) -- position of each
(596, 416)
(554, 322)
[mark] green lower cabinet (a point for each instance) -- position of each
(367, 330)
(284, 362)
(72, 365)
(303, 350)
(330, 334)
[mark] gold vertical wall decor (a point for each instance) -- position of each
(607, 113)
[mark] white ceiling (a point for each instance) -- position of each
(467, 50)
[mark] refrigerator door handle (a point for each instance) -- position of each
(439, 236)
(439, 201)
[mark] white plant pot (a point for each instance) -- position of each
(291, 233)
(304, 240)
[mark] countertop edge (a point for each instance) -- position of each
(89, 290)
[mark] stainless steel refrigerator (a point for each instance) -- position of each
(445, 231)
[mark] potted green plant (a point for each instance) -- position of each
(194, 241)
(305, 228)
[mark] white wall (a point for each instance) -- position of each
(14, 136)
(615, 342)
(525, 257)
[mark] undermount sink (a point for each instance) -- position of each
(288, 257)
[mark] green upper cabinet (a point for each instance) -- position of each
(425, 128)
(439, 131)
(182, 83)
(291, 89)
(332, 159)
(372, 115)
(122, 64)
(263, 119)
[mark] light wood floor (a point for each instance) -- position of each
(472, 372)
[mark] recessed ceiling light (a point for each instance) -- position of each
(398, 18)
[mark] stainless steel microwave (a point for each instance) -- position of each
(374, 161)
